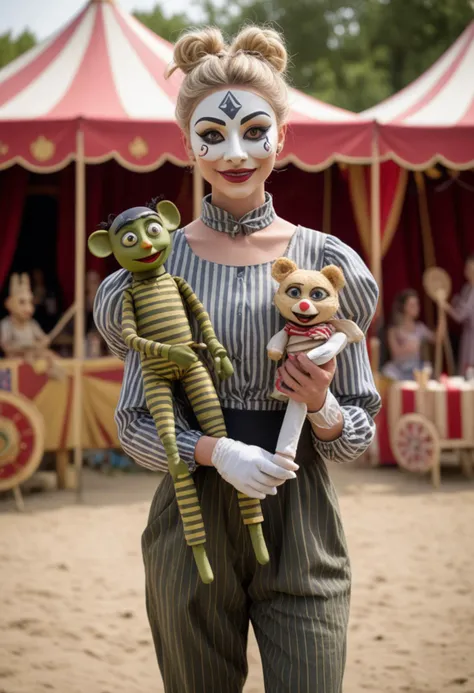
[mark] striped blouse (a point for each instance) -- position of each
(239, 301)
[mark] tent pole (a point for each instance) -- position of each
(375, 238)
(79, 320)
(198, 191)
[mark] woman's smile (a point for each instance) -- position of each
(237, 175)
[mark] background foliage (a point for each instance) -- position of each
(351, 53)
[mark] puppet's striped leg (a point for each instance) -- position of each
(160, 403)
(205, 403)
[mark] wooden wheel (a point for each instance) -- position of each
(416, 443)
(21, 439)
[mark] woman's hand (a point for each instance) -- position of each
(303, 381)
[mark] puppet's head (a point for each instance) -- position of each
(307, 297)
(139, 238)
(20, 302)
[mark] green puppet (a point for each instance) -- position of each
(155, 323)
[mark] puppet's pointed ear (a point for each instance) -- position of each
(169, 215)
(99, 243)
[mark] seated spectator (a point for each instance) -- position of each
(405, 337)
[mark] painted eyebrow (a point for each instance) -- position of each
(295, 284)
(210, 120)
(128, 224)
(253, 115)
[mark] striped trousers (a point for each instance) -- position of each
(298, 604)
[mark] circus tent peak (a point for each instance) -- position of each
(432, 119)
(104, 72)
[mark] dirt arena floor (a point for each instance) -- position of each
(72, 613)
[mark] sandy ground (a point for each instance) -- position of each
(72, 615)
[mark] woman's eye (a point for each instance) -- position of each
(318, 294)
(129, 239)
(293, 292)
(212, 137)
(154, 230)
(256, 133)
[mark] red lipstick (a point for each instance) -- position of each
(237, 175)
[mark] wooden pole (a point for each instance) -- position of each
(198, 191)
(375, 237)
(79, 320)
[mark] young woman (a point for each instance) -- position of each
(405, 337)
(462, 310)
(232, 108)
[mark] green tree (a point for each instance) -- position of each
(168, 28)
(353, 53)
(11, 48)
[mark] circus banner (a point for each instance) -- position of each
(101, 382)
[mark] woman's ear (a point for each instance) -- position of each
(189, 149)
(281, 138)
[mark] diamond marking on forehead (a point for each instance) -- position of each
(230, 105)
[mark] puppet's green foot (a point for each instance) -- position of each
(203, 565)
(258, 543)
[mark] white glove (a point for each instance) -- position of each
(249, 468)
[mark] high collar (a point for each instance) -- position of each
(220, 220)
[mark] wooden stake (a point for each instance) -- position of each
(375, 238)
(20, 505)
(62, 322)
(79, 321)
(198, 192)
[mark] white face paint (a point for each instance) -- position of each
(233, 125)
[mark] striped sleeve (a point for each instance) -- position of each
(136, 429)
(353, 383)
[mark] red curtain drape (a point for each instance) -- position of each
(299, 197)
(111, 189)
(66, 234)
(13, 186)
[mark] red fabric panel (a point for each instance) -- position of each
(418, 145)
(30, 383)
(454, 412)
(408, 401)
(13, 184)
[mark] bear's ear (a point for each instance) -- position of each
(335, 275)
(282, 268)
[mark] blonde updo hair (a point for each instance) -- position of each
(256, 59)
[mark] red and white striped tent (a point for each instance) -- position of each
(103, 75)
(432, 119)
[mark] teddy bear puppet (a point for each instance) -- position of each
(309, 302)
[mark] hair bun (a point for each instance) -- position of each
(267, 42)
(193, 46)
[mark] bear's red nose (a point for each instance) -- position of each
(304, 305)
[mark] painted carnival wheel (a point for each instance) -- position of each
(416, 443)
(21, 439)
